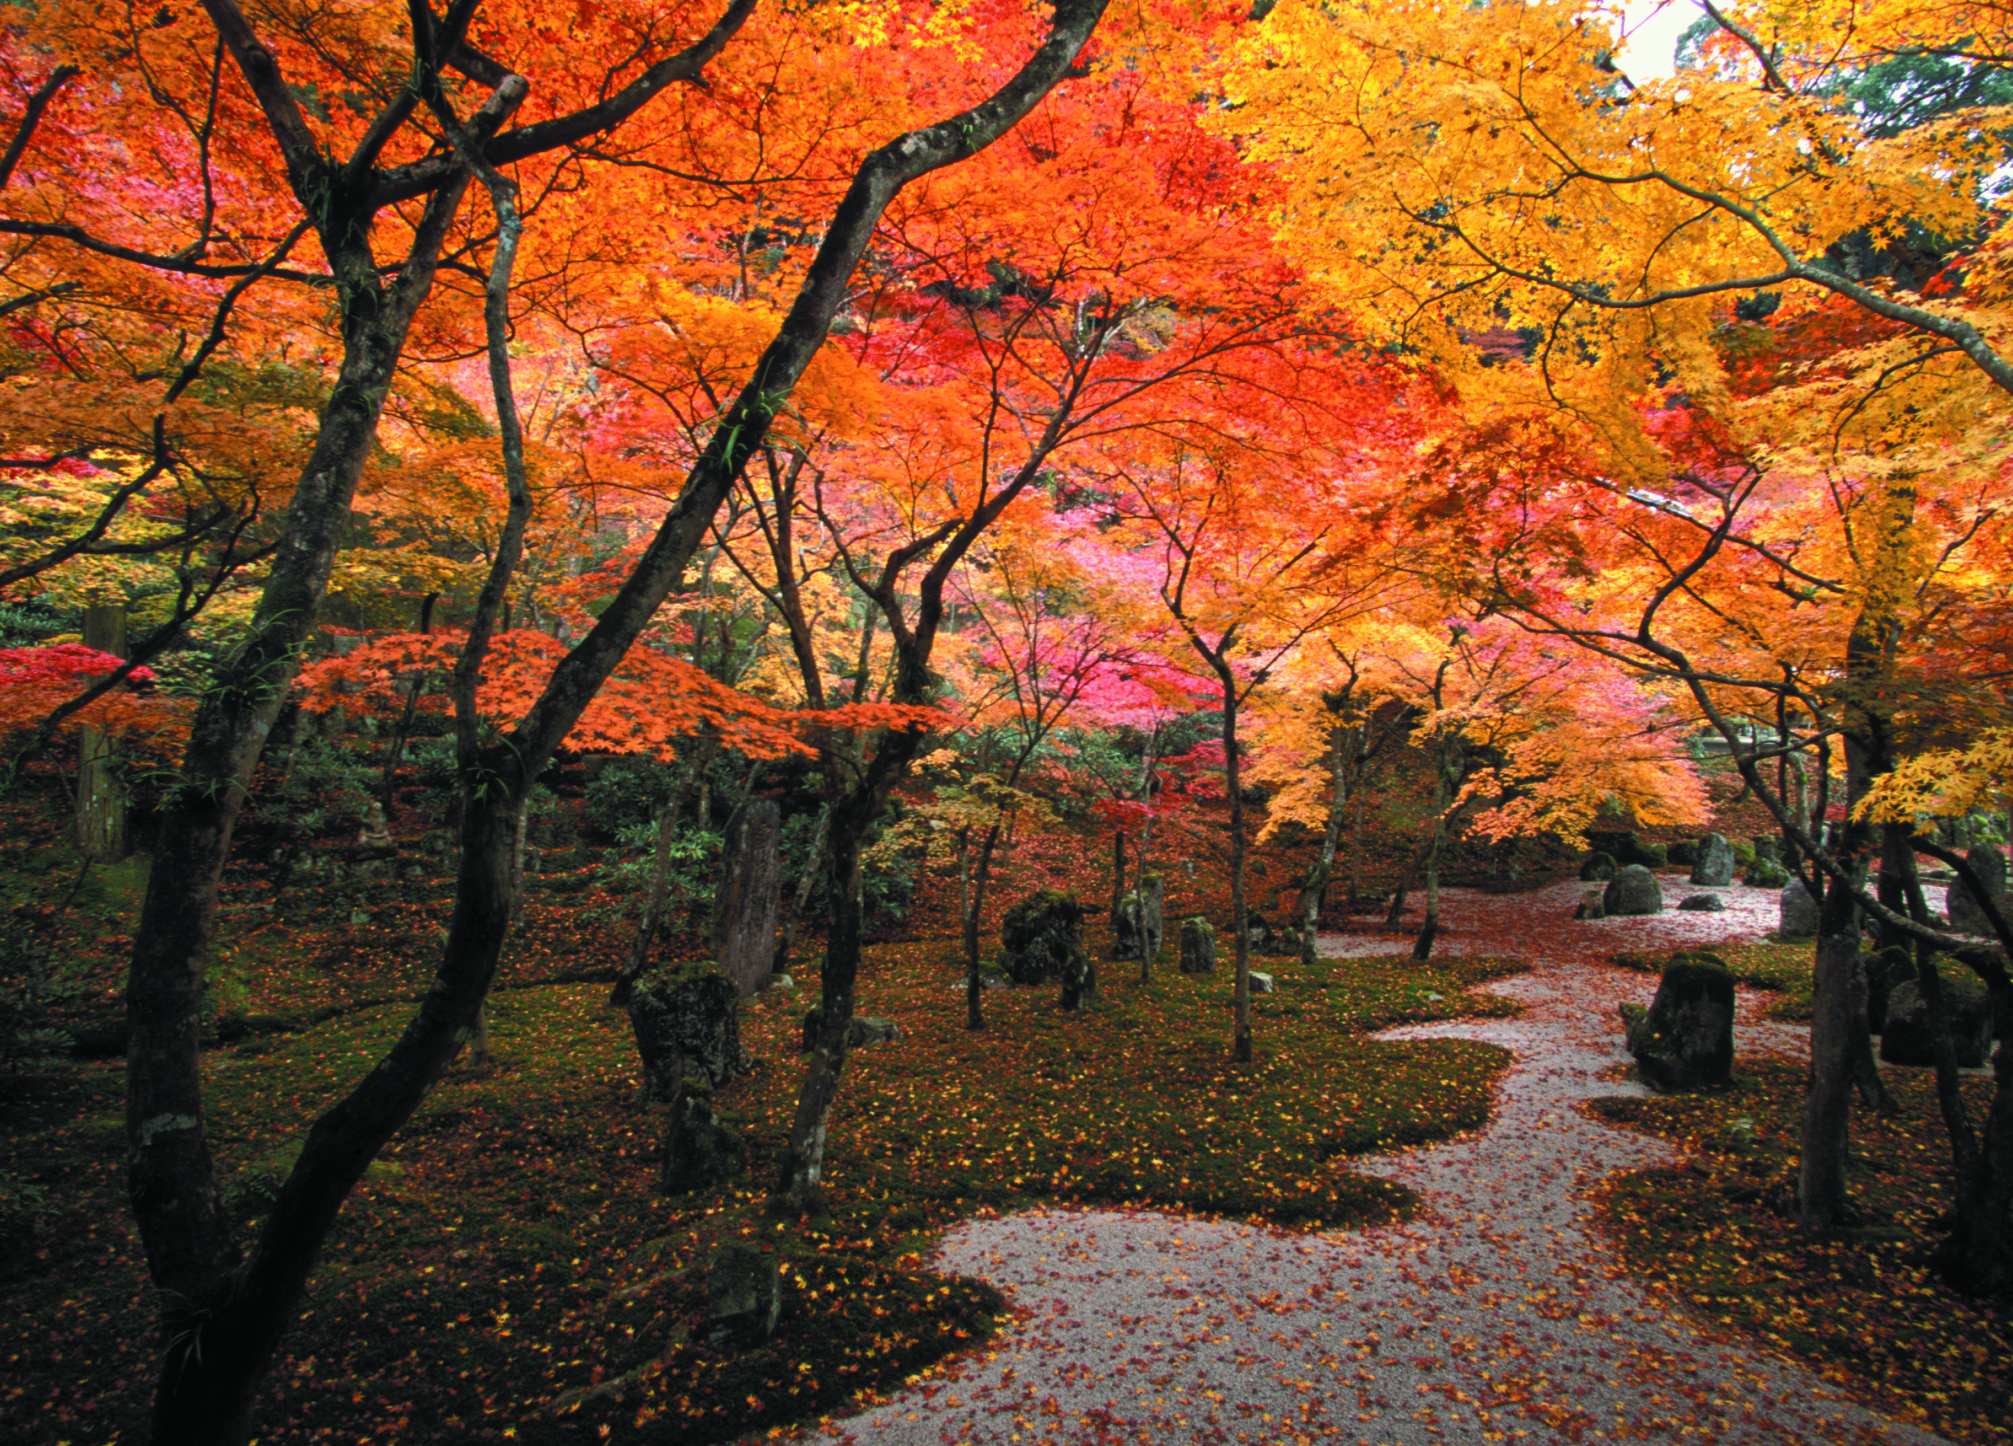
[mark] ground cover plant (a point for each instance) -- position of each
(510, 1248)
(1855, 1302)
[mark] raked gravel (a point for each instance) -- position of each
(1497, 1315)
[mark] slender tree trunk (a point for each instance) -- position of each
(664, 827)
(974, 905)
(786, 935)
(1949, 1087)
(1429, 927)
(1837, 1005)
(1117, 872)
(1331, 838)
(101, 807)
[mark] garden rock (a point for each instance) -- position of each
(1633, 890)
(1799, 912)
(1598, 869)
(1685, 1042)
(1079, 981)
(750, 887)
(688, 1024)
(1261, 983)
(1703, 904)
(1969, 1007)
(1765, 873)
(1714, 867)
(744, 1297)
(1593, 905)
(1681, 854)
(1198, 946)
(700, 1153)
(1966, 917)
(1041, 938)
(862, 1030)
(1884, 971)
(1767, 846)
(1141, 921)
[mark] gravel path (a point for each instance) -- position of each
(1496, 1316)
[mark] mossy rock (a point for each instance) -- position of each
(1765, 873)
(1041, 938)
(1598, 868)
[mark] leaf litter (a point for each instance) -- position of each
(1499, 1312)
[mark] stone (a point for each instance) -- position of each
(700, 1153)
(1140, 923)
(1261, 983)
(1886, 969)
(1702, 904)
(1714, 868)
(1681, 854)
(1799, 912)
(749, 892)
(1966, 917)
(1685, 1041)
(1767, 846)
(1598, 869)
(1966, 1001)
(862, 1030)
(1041, 938)
(1079, 981)
(1593, 905)
(1633, 890)
(1765, 873)
(744, 1297)
(374, 837)
(1198, 946)
(1652, 856)
(687, 1022)
(780, 981)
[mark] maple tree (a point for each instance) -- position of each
(419, 140)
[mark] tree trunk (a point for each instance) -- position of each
(803, 1163)
(1239, 914)
(1331, 838)
(786, 933)
(1837, 1005)
(974, 904)
(1444, 775)
(658, 890)
(101, 806)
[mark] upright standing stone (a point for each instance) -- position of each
(688, 1024)
(1140, 923)
(1686, 1041)
(1041, 938)
(1799, 912)
(744, 910)
(1714, 867)
(1198, 946)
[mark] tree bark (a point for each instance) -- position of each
(101, 808)
(1331, 839)
(222, 1316)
